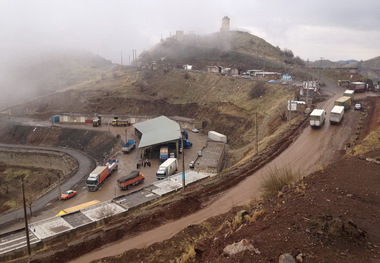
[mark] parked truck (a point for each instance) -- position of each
(187, 144)
(164, 153)
(119, 123)
(127, 181)
(97, 122)
(336, 114)
(129, 146)
(216, 136)
(167, 168)
(349, 93)
(100, 174)
(317, 118)
(343, 101)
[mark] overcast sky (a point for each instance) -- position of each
(332, 29)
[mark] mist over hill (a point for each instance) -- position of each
(24, 76)
(228, 49)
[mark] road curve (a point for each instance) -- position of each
(312, 150)
(86, 165)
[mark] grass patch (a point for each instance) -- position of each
(276, 179)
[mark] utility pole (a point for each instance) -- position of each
(121, 58)
(307, 83)
(257, 134)
(183, 163)
(25, 215)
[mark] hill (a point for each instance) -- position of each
(24, 77)
(228, 49)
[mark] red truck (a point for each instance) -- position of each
(101, 173)
(134, 178)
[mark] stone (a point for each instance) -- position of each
(238, 247)
(286, 258)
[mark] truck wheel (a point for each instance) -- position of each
(128, 187)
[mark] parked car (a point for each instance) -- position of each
(191, 165)
(195, 130)
(358, 106)
(68, 194)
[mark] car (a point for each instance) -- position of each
(358, 106)
(195, 130)
(191, 164)
(68, 194)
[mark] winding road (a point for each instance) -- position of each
(86, 165)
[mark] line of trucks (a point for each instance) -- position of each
(318, 116)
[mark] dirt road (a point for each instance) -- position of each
(313, 150)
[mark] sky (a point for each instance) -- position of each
(328, 29)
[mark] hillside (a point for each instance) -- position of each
(223, 103)
(228, 49)
(39, 73)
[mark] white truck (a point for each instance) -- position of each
(336, 114)
(216, 136)
(167, 168)
(317, 118)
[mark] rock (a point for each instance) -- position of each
(299, 258)
(241, 246)
(286, 258)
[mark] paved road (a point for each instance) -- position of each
(86, 165)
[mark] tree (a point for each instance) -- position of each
(258, 90)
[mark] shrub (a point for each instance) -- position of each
(276, 179)
(258, 90)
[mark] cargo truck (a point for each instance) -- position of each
(187, 144)
(164, 153)
(134, 178)
(97, 122)
(349, 93)
(215, 136)
(167, 168)
(317, 118)
(129, 146)
(119, 123)
(336, 114)
(100, 174)
(343, 101)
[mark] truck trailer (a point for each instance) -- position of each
(169, 167)
(317, 118)
(216, 136)
(119, 123)
(336, 114)
(78, 207)
(129, 146)
(100, 174)
(127, 181)
(164, 153)
(343, 101)
(349, 93)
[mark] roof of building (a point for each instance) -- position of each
(158, 130)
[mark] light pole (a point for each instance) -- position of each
(25, 214)
(183, 162)
(59, 186)
(320, 68)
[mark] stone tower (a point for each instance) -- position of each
(225, 24)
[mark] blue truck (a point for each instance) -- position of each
(129, 146)
(164, 153)
(187, 144)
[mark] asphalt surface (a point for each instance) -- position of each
(86, 165)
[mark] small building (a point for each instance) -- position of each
(234, 71)
(187, 67)
(286, 77)
(213, 69)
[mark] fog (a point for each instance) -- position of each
(334, 30)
